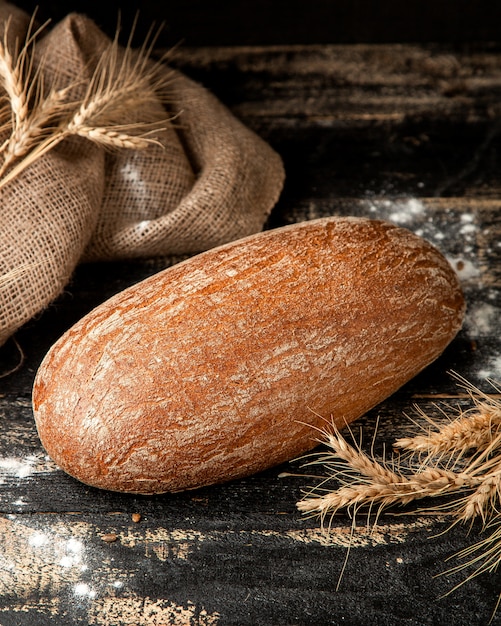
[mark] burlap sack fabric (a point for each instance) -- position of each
(212, 181)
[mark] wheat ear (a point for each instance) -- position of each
(474, 429)
(484, 500)
(371, 482)
(30, 112)
(122, 87)
(12, 77)
(463, 455)
(34, 128)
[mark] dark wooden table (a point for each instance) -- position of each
(400, 132)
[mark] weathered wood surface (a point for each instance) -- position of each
(406, 133)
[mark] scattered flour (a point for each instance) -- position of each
(467, 218)
(24, 467)
(130, 173)
(38, 539)
(143, 227)
(20, 468)
(139, 192)
(406, 212)
(468, 229)
(403, 212)
(481, 319)
(83, 590)
(493, 369)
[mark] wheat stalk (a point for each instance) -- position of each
(114, 111)
(375, 482)
(12, 275)
(471, 430)
(30, 112)
(461, 457)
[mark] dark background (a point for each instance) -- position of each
(265, 22)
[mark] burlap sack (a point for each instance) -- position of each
(211, 181)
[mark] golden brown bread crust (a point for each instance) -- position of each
(218, 367)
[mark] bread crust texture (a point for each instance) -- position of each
(227, 363)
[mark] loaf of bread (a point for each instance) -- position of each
(225, 364)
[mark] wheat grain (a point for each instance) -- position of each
(473, 429)
(113, 138)
(357, 459)
(434, 481)
(483, 502)
(12, 77)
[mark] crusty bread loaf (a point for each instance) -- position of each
(222, 365)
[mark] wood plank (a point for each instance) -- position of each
(361, 83)
(61, 570)
(363, 121)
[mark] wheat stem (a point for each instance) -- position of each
(12, 275)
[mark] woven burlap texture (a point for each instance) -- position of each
(211, 181)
